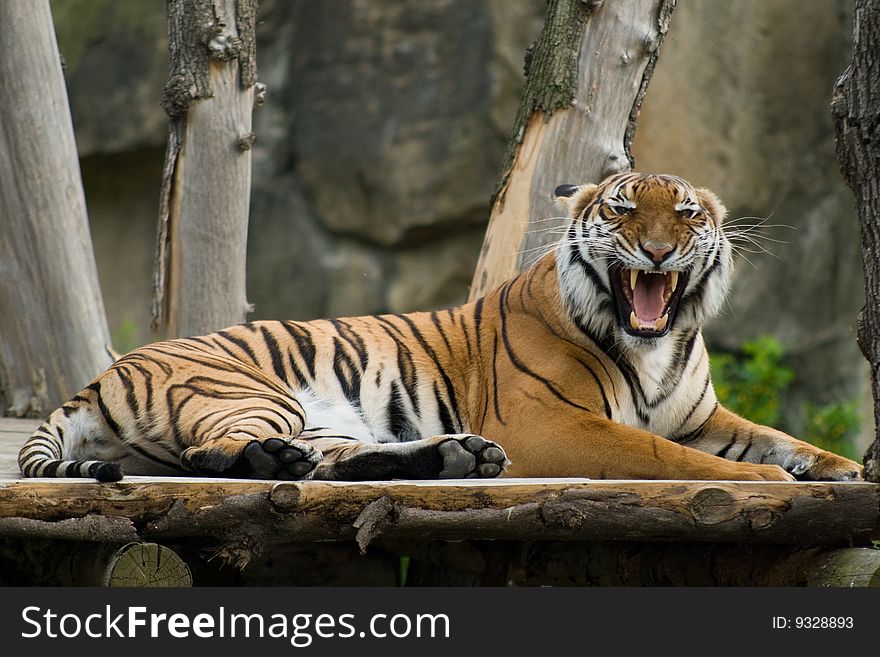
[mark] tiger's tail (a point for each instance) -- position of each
(43, 456)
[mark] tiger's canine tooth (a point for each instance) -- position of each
(673, 280)
(633, 277)
(633, 320)
(661, 323)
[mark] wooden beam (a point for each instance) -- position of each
(245, 515)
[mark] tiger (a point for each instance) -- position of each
(591, 363)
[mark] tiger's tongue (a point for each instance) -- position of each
(648, 296)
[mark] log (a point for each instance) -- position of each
(244, 516)
(199, 275)
(574, 563)
(53, 329)
(67, 563)
(586, 77)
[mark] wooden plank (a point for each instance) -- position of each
(13, 433)
(245, 514)
(19, 425)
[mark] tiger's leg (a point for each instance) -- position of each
(729, 436)
(453, 456)
(586, 445)
(245, 426)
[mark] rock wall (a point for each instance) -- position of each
(375, 157)
(384, 126)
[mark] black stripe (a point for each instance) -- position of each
(726, 448)
(575, 258)
(747, 448)
(450, 391)
(443, 410)
(306, 347)
(51, 468)
(467, 337)
(241, 344)
(398, 421)
(108, 418)
(599, 386)
(518, 363)
(436, 320)
(696, 404)
(478, 320)
(274, 353)
(347, 373)
(494, 386)
(699, 287)
(347, 333)
(696, 433)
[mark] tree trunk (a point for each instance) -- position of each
(199, 283)
(53, 330)
(586, 77)
(856, 111)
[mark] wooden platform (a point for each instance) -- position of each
(242, 513)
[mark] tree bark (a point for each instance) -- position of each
(586, 77)
(856, 111)
(53, 329)
(244, 516)
(199, 279)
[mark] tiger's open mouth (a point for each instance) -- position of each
(646, 301)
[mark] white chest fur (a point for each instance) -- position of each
(667, 389)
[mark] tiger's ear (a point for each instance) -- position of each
(574, 198)
(712, 203)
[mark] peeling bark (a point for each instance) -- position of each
(587, 76)
(199, 274)
(856, 111)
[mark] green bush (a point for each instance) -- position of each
(753, 384)
(833, 427)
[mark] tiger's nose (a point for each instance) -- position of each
(657, 251)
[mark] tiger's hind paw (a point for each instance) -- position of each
(280, 458)
(471, 457)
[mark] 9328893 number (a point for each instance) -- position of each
(822, 622)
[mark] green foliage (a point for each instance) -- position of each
(404, 571)
(753, 384)
(833, 426)
(124, 336)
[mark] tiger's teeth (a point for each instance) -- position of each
(634, 321)
(661, 323)
(673, 280)
(633, 277)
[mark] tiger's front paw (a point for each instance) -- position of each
(823, 466)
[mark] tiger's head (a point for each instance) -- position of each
(643, 256)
